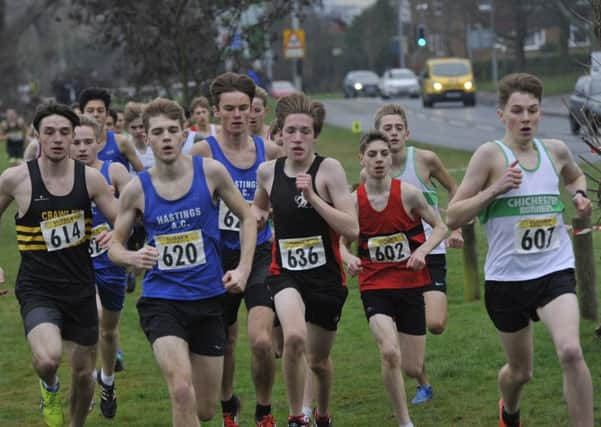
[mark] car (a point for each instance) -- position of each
(361, 83)
(281, 88)
(399, 81)
(448, 79)
(585, 104)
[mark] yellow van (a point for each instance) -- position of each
(448, 79)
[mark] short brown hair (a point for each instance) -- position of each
(519, 82)
(299, 103)
(274, 128)
(262, 95)
(371, 136)
(231, 82)
(133, 111)
(199, 101)
(390, 110)
(163, 107)
(91, 122)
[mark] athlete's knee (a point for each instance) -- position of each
(521, 374)
(570, 354)
(294, 344)
(319, 365)
(206, 410)
(109, 335)
(47, 363)
(261, 345)
(391, 356)
(182, 392)
(413, 369)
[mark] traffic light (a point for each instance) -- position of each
(421, 36)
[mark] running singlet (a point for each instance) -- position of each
(246, 181)
(111, 152)
(527, 237)
(386, 240)
(54, 233)
(185, 233)
(106, 270)
(304, 242)
(410, 174)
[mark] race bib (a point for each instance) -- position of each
(536, 235)
(94, 249)
(227, 220)
(393, 248)
(304, 253)
(180, 250)
(64, 231)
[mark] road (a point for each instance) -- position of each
(453, 125)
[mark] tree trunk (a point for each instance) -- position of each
(564, 35)
(520, 19)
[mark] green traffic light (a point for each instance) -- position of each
(421, 42)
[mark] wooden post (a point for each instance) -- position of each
(586, 276)
(471, 281)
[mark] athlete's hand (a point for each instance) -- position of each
(145, 257)
(510, 180)
(455, 239)
(234, 280)
(104, 238)
(2, 291)
(416, 261)
(583, 205)
(305, 184)
(354, 265)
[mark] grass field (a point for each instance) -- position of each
(462, 363)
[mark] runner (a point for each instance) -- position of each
(55, 284)
(242, 154)
(110, 279)
(256, 118)
(514, 184)
(14, 131)
(181, 305)
(200, 117)
(391, 266)
(95, 102)
(312, 206)
(420, 168)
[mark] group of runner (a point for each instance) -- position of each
(249, 211)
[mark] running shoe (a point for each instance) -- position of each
(230, 419)
(297, 421)
(108, 398)
(52, 407)
(423, 394)
(119, 365)
(322, 420)
(501, 422)
(267, 421)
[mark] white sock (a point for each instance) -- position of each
(409, 424)
(106, 379)
(307, 411)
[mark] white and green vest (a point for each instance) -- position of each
(527, 237)
(409, 174)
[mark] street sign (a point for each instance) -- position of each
(294, 44)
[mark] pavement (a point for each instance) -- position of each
(552, 105)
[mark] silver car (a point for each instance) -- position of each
(399, 81)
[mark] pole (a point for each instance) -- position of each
(400, 35)
(296, 63)
(471, 281)
(493, 53)
(586, 277)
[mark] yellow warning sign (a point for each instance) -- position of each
(356, 126)
(294, 44)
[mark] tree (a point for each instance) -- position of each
(185, 39)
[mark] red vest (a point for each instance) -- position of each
(386, 240)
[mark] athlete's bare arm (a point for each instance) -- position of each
(223, 187)
(119, 176)
(261, 203)
(353, 263)
(126, 146)
(573, 177)
(416, 205)
(479, 187)
(201, 148)
(131, 202)
(31, 151)
(341, 215)
(439, 172)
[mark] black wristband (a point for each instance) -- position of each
(581, 192)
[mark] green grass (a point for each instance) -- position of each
(554, 84)
(462, 363)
